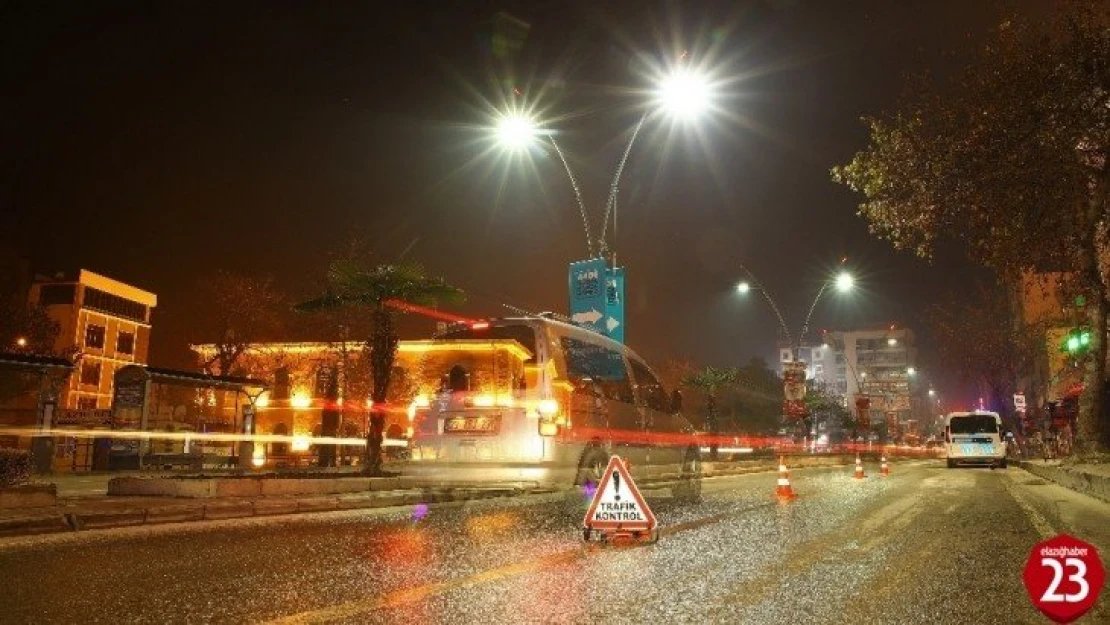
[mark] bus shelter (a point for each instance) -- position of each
(166, 418)
(30, 384)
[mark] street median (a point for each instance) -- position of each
(146, 501)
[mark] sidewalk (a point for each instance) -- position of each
(1089, 479)
(83, 504)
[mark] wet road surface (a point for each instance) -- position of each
(926, 545)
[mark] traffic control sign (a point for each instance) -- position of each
(617, 508)
(1064, 577)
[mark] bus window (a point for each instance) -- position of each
(648, 386)
(521, 333)
(589, 364)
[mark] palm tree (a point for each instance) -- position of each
(350, 283)
(710, 381)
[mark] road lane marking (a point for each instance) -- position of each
(1041, 524)
(408, 596)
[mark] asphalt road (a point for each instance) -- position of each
(926, 545)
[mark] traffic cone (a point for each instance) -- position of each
(784, 490)
(859, 469)
(884, 469)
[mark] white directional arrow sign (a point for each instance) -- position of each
(586, 317)
(611, 323)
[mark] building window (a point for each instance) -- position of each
(125, 343)
(90, 373)
(114, 304)
(94, 336)
(86, 403)
(54, 294)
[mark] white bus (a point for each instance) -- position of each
(974, 438)
(576, 399)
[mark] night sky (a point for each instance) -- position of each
(157, 142)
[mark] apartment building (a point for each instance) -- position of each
(104, 322)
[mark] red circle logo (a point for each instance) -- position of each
(1064, 577)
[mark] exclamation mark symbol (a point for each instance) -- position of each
(616, 486)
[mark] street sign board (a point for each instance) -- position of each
(617, 504)
(614, 304)
(587, 285)
(1019, 401)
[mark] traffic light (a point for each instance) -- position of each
(1077, 342)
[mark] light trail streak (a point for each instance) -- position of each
(219, 437)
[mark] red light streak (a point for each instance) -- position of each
(428, 312)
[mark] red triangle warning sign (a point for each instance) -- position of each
(617, 504)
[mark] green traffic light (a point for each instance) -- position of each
(1085, 338)
(1073, 343)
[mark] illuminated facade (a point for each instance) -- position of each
(299, 374)
(104, 322)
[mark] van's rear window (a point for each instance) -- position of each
(523, 334)
(974, 424)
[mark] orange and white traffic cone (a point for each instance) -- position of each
(884, 469)
(859, 475)
(784, 490)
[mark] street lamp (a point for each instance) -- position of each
(911, 371)
(516, 131)
(844, 282)
(932, 392)
(21, 342)
(743, 287)
(684, 94)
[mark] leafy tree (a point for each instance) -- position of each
(757, 398)
(981, 340)
(1009, 157)
(711, 381)
(23, 328)
(233, 312)
(826, 406)
(350, 283)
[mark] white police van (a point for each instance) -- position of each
(974, 439)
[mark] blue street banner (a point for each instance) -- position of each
(614, 304)
(587, 286)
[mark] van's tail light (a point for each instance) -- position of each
(548, 428)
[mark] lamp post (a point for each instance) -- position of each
(843, 282)
(683, 95)
(794, 372)
(596, 284)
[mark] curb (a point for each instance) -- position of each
(50, 521)
(33, 525)
(1097, 486)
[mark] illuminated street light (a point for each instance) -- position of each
(21, 342)
(844, 282)
(892, 341)
(932, 393)
(911, 371)
(685, 94)
(516, 131)
(743, 287)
